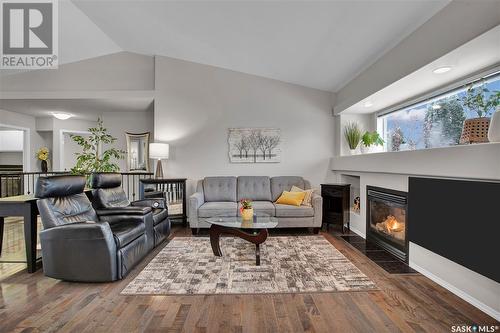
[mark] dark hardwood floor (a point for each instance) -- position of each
(404, 303)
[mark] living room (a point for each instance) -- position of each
(252, 166)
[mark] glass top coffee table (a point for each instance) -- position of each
(254, 231)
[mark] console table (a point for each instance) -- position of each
(173, 190)
(24, 206)
(336, 202)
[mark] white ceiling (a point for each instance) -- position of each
(480, 53)
(316, 44)
(87, 109)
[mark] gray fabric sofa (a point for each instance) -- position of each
(221, 196)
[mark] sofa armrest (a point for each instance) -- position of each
(195, 201)
(84, 251)
(317, 203)
(155, 203)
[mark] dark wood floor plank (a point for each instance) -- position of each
(412, 303)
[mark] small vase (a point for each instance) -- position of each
(354, 151)
(247, 214)
(44, 166)
(494, 130)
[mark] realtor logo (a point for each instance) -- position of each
(29, 34)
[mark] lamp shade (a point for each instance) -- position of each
(158, 150)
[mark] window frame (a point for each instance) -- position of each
(442, 92)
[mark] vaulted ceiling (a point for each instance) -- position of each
(321, 45)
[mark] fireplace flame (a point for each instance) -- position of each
(392, 224)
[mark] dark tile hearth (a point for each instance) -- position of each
(381, 257)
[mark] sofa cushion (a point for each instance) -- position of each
(284, 183)
(126, 231)
(293, 211)
(265, 207)
(219, 189)
(254, 188)
(224, 208)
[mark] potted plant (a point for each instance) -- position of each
(43, 155)
(352, 134)
(91, 159)
(370, 140)
(246, 209)
(475, 130)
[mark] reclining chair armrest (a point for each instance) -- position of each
(317, 203)
(129, 210)
(84, 251)
(125, 216)
(156, 203)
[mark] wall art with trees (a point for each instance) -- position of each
(254, 145)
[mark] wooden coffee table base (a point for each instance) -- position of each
(256, 238)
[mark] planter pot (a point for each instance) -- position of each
(247, 214)
(354, 151)
(371, 149)
(475, 130)
(494, 130)
(44, 166)
(365, 150)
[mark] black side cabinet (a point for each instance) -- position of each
(336, 201)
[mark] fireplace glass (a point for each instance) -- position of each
(388, 219)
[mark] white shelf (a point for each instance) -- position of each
(479, 161)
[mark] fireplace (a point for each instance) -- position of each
(386, 221)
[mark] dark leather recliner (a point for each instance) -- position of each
(76, 244)
(109, 200)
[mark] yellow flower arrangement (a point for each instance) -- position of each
(43, 154)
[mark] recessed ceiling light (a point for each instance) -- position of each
(441, 70)
(61, 115)
(368, 104)
(436, 106)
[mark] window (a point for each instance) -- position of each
(435, 122)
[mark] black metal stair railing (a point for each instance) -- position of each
(19, 183)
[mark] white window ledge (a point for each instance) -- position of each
(478, 161)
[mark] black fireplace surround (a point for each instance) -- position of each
(386, 220)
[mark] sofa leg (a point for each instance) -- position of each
(195, 231)
(316, 230)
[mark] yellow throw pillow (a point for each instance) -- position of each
(291, 198)
(307, 199)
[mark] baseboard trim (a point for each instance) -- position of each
(362, 234)
(460, 293)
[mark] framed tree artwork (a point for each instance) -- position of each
(254, 145)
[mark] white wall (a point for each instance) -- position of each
(27, 123)
(11, 140)
(118, 123)
(59, 143)
(11, 158)
(195, 105)
(117, 71)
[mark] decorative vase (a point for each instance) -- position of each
(494, 130)
(475, 130)
(247, 214)
(44, 166)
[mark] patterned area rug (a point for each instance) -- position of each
(288, 265)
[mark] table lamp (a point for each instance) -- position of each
(158, 151)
